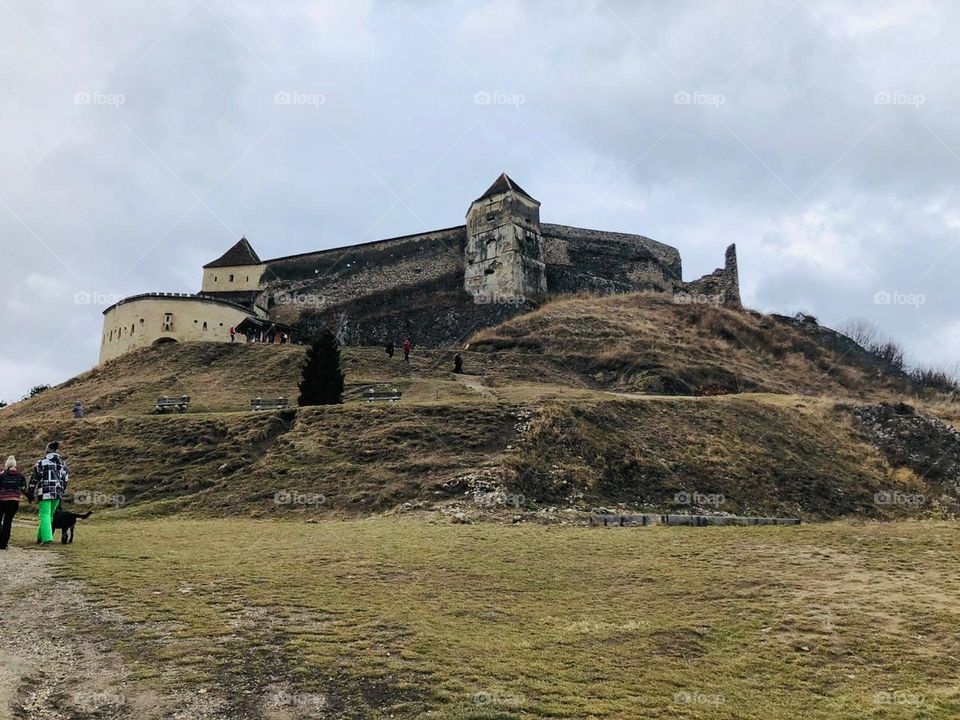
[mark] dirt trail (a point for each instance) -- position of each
(475, 383)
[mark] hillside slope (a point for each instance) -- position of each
(549, 415)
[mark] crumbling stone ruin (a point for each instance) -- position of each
(435, 287)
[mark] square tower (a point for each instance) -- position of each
(504, 253)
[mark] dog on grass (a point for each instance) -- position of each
(64, 521)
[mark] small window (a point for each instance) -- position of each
(231, 278)
(204, 327)
(141, 321)
(248, 278)
(131, 329)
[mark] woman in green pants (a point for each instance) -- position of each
(48, 484)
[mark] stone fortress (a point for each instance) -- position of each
(436, 287)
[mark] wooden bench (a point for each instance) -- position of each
(178, 403)
(268, 404)
(388, 395)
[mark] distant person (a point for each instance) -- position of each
(233, 333)
(283, 338)
(389, 348)
(272, 333)
(12, 484)
(458, 363)
(406, 350)
(48, 485)
(78, 409)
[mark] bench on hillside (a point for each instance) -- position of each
(268, 404)
(389, 395)
(178, 403)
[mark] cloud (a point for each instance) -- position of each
(141, 140)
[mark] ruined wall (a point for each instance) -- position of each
(721, 287)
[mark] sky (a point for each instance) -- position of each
(140, 140)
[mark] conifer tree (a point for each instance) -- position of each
(322, 381)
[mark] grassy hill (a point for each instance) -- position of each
(586, 402)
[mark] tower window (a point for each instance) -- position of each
(204, 327)
(231, 278)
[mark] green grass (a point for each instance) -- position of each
(406, 618)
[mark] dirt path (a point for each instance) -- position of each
(475, 383)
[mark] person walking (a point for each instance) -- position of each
(458, 364)
(406, 350)
(48, 484)
(78, 409)
(233, 333)
(389, 349)
(12, 483)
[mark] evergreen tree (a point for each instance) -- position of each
(322, 382)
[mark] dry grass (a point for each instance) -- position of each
(407, 619)
(643, 342)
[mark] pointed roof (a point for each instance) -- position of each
(505, 184)
(240, 254)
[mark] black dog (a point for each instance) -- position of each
(64, 520)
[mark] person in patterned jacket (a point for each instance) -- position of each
(48, 484)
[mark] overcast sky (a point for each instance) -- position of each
(139, 140)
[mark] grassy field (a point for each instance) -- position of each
(409, 618)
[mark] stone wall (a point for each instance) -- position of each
(579, 259)
(722, 286)
(314, 281)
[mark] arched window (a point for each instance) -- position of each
(204, 326)
(131, 329)
(111, 336)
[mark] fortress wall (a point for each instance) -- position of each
(139, 322)
(605, 262)
(722, 285)
(333, 277)
(238, 278)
